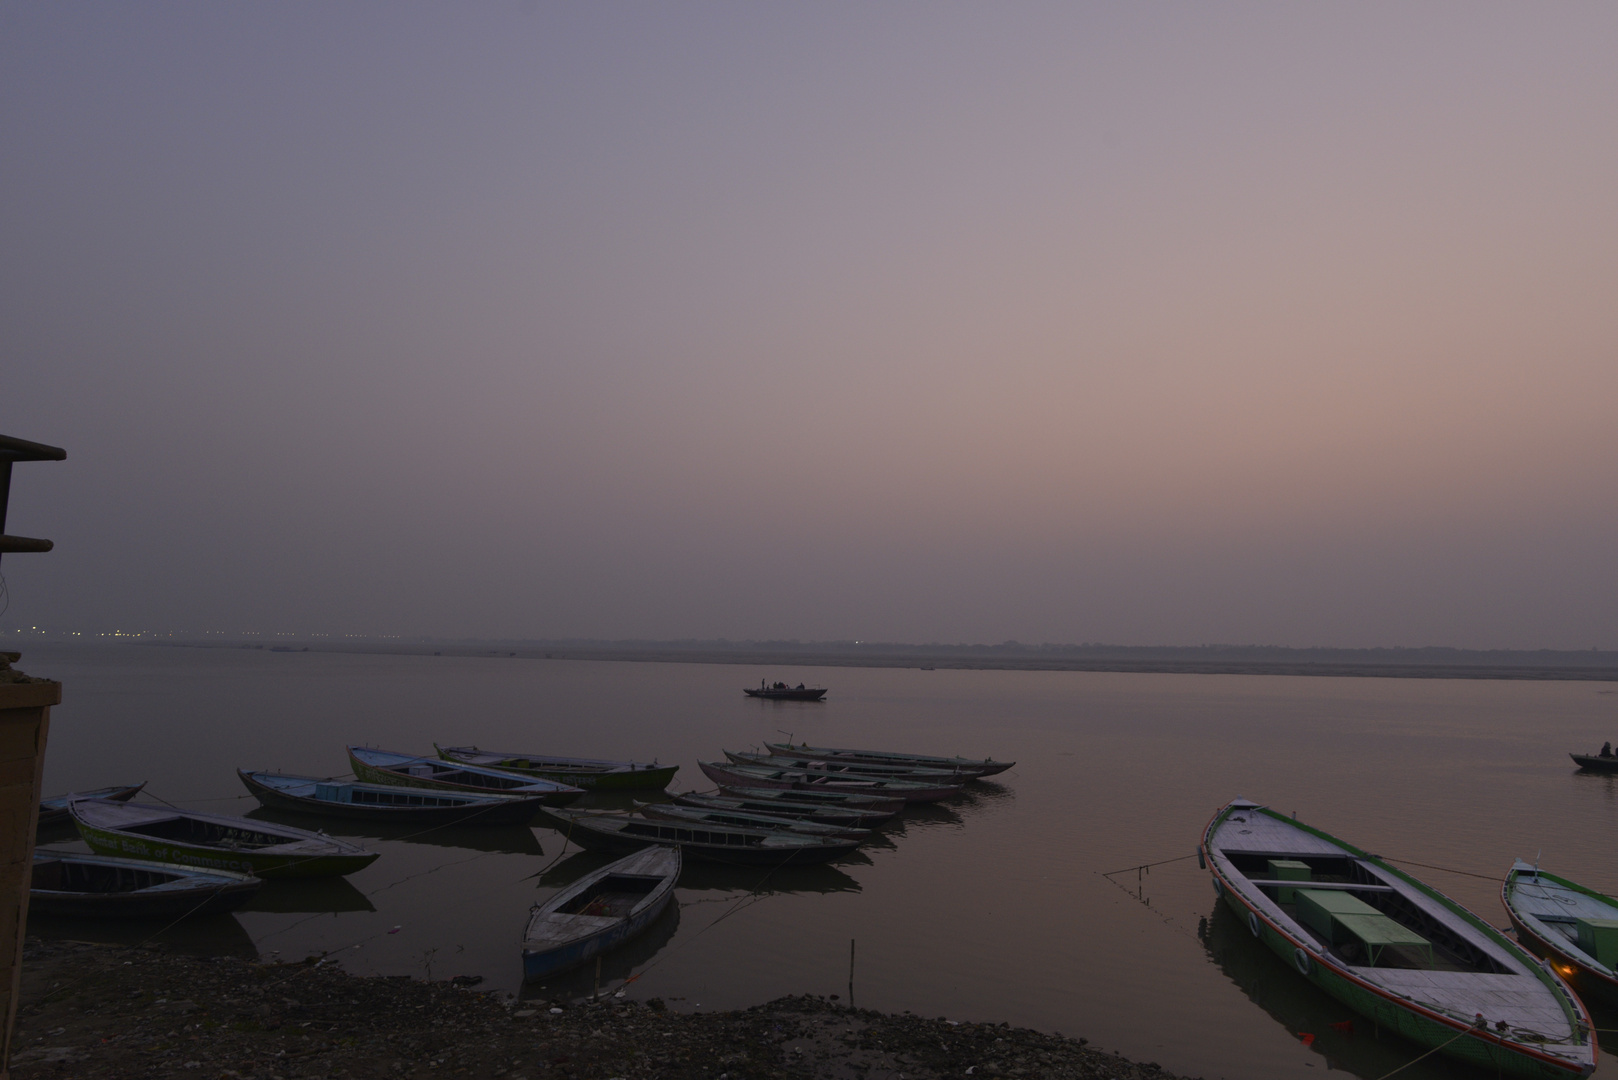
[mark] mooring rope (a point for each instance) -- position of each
(1149, 865)
(743, 901)
(1441, 869)
(1429, 1053)
(1168, 920)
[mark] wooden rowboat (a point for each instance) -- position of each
(1393, 949)
(715, 843)
(53, 811)
(99, 887)
(763, 776)
(852, 800)
(786, 811)
(375, 766)
(213, 841)
(973, 766)
(599, 912)
(746, 820)
(386, 802)
(1574, 927)
(592, 774)
(848, 768)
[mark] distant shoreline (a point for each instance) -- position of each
(1538, 666)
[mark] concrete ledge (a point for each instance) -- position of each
(40, 694)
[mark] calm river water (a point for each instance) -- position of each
(992, 908)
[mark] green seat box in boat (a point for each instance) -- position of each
(1339, 918)
(1288, 870)
(1599, 938)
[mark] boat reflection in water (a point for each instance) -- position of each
(616, 966)
(817, 878)
(923, 816)
(207, 935)
(982, 794)
(297, 896)
(1346, 1040)
(502, 839)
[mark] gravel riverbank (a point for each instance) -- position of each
(109, 1011)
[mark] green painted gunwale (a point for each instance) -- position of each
(260, 864)
(655, 778)
(1585, 977)
(1410, 1019)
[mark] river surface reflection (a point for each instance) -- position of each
(994, 907)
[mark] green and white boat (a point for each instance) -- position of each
(1574, 927)
(1393, 949)
(594, 774)
(163, 834)
(373, 766)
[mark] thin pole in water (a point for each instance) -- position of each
(850, 973)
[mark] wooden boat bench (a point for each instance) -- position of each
(1337, 916)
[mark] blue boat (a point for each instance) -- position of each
(387, 802)
(71, 884)
(599, 912)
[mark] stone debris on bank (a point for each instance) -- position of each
(92, 1011)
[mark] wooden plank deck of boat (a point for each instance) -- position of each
(1464, 994)
(1550, 902)
(1261, 835)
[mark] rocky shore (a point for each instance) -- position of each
(110, 1011)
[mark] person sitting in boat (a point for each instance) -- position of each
(800, 686)
(1606, 749)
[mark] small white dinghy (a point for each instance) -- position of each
(1574, 927)
(599, 912)
(1393, 949)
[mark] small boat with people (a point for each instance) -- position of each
(1394, 949)
(789, 811)
(847, 768)
(53, 811)
(973, 766)
(747, 820)
(1604, 761)
(1571, 925)
(166, 834)
(374, 766)
(731, 774)
(326, 797)
(780, 691)
(621, 832)
(74, 885)
(599, 912)
(591, 774)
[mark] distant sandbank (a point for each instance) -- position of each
(1383, 663)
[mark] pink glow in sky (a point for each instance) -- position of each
(1148, 324)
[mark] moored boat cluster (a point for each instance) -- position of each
(795, 805)
(1414, 961)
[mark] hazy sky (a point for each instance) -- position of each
(1145, 323)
